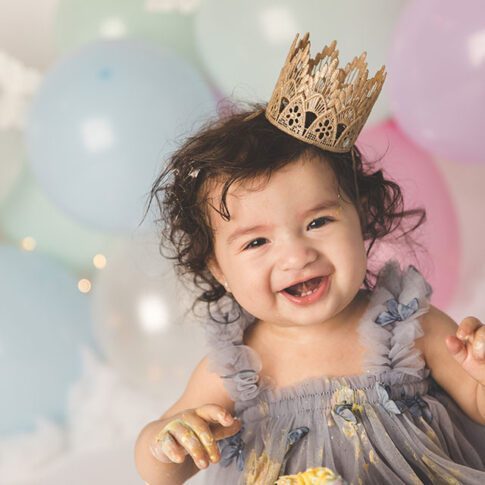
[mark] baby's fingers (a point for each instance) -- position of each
(221, 433)
(201, 428)
(181, 430)
(213, 413)
(166, 449)
(467, 328)
(478, 346)
(223, 423)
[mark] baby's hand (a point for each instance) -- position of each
(468, 347)
(194, 432)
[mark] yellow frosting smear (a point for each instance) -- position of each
(312, 476)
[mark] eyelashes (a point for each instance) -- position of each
(322, 222)
(250, 244)
(326, 219)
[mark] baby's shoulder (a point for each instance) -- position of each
(436, 325)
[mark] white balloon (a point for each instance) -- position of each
(244, 43)
(142, 320)
(27, 30)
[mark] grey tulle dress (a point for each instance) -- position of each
(392, 424)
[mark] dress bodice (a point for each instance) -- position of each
(387, 425)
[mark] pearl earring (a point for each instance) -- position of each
(226, 286)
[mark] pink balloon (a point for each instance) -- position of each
(423, 186)
(437, 77)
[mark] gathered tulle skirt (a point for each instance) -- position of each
(373, 429)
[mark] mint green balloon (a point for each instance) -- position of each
(12, 155)
(244, 43)
(28, 212)
(166, 23)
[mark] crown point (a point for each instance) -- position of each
(332, 95)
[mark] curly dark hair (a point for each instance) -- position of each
(242, 144)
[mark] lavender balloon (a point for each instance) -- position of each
(437, 77)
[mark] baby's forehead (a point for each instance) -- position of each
(300, 181)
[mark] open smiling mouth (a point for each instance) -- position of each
(307, 291)
(304, 289)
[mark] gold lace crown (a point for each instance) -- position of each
(320, 103)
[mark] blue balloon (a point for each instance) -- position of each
(102, 122)
(44, 321)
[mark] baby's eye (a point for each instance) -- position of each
(319, 222)
(253, 243)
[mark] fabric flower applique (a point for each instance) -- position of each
(232, 448)
(344, 405)
(385, 400)
(293, 437)
(346, 411)
(397, 312)
(417, 406)
(297, 434)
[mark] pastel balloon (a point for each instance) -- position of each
(466, 186)
(44, 321)
(140, 311)
(28, 212)
(12, 158)
(168, 24)
(257, 36)
(102, 123)
(423, 185)
(437, 77)
(26, 31)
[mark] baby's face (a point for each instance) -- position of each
(278, 236)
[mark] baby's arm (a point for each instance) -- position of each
(465, 390)
(203, 388)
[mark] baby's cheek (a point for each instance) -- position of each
(249, 290)
(355, 269)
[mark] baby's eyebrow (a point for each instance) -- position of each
(326, 205)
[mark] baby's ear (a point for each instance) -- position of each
(215, 269)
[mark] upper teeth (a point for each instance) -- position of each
(306, 293)
(305, 288)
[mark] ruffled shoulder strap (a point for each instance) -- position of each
(391, 323)
(237, 364)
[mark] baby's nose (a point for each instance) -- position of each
(296, 255)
